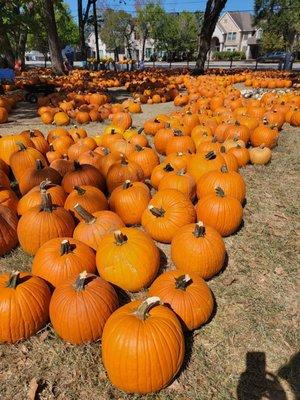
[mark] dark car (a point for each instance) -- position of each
(274, 56)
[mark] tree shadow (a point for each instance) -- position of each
(255, 383)
(290, 372)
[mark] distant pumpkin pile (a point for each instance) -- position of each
(80, 199)
(7, 103)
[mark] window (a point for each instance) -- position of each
(148, 52)
(231, 35)
(245, 36)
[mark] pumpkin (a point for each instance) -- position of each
(264, 135)
(151, 127)
(198, 249)
(4, 180)
(83, 175)
(260, 155)
(33, 176)
(122, 146)
(47, 117)
(127, 331)
(121, 171)
(62, 258)
(8, 198)
(295, 118)
(93, 226)
(146, 158)
(182, 181)
(178, 160)
(90, 300)
(24, 158)
(90, 157)
(108, 160)
(159, 172)
(222, 212)
(232, 143)
(76, 149)
(211, 144)
(8, 145)
(37, 138)
(202, 162)
(8, 229)
(61, 118)
(139, 139)
(3, 115)
(274, 118)
(161, 139)
(119, 256)
(33, 197)
(62, 144)
(52, 154)
(167, 211)
(180, 142)
(46, 221)
(122, 120)
(230, 160)
(4, 167)
(188, 295)
(241, 154)
(24, 305)
(56, 133)
(238, 131)
(90, 197)
(63, 166)
(82, 117)
(129, 201)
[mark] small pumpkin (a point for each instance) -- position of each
(182, 181)
(121, 171)
(241, 154)
(8, 229)
(260, 155)
(202, 162)
(146, 158)
(83, 174)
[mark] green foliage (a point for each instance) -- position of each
(280, 21)
(229, 55)
(149, 20)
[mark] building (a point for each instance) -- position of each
(235, 32)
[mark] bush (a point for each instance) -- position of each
(229, 55)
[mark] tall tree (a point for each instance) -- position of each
(53, 39)
(212, 12)
(188, 27)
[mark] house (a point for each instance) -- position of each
(235, 31)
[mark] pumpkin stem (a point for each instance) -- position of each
(80, 190)
(65, 157)
(77, 165)
(199, 230)
(224, 168)
(80, 281)
(113, 131)
(210, 155)
(39, 164)
(214, 139)
(182, 281)
(262, 146)
(127, 184)
(181, 172)
(157, 212)
(13, 280)
(220, 192)
(65, 247)
(51, 148)
(168, 168)
(178, 132)
(85, 215)
(140, 130)
(138, 147)
(44, 184)
(120, 238)
(222, 149)
(143, 309)
(46, 204)
(21, 146)
(123, 160)
(156, 120)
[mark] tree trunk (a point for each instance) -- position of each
(96, 31)
(6, 48)
(143, 48)
(211, 15)
(22, 47)
(81, 28)
(53, 39)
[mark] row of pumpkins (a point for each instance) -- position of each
(7, 103)
(79, 204)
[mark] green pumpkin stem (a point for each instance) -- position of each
(85, 215)
(220, 192)
(80, 191)
(80, 281)
(21, 146)
(210, 155)
(127, 184)
(199, 230)
(120, 238)
(168, 168)
(13, 280)
(46, 203)
(157, 212)
(143, 309)
(224, 168)
(65, 247)
(182, 282)
(39, 165)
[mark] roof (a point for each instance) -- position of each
(243, 20)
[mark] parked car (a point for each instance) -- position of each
(273, 56)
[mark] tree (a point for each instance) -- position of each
(53, 39)
(188, 32)
(280, 22)
(115, 29)
(211, 15)
(149, 20)
(83, 16)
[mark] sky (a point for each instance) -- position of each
(170, 5)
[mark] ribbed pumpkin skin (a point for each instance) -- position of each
(130, 202)
(92, 200)
(8, 229)
(23, 310)
(184, 182)
(264, 135)
(152, 350)
(33, 177)
(89, 308)
(203, 255)
(8, 145)
(54, 267)
(85, 174)
(4, 180)
(90, 233)
(121, 171)
(23, 159)
(146, 158)
(225, 214)
(44, 226)
(8, 198)
(179, 211)
(199, 163)
(33, 198)
(193, 304)
(131, 265)
(231, 182)
(62, 166)
(160, 171)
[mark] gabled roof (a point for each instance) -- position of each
(243, 20)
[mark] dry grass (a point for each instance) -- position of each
(256, 309)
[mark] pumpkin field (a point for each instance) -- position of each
(149, 224)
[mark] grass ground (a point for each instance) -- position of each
(255, 322)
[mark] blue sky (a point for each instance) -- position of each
(171, 5)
